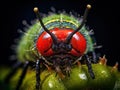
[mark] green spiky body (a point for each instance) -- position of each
(107, 78)
(26, 49)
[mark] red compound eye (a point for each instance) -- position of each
(44, 42)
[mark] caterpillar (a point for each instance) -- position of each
(57, 42)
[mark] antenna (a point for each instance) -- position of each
(68, 39)
(42, 24)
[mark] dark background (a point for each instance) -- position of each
(103, 19)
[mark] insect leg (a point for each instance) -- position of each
(13, 71)
(38, 75)
(94, 57)
(88, 62)
(25, 67)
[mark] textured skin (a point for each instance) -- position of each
(26, 49)
(107, 78)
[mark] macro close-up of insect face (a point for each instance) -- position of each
(62, 41)
(58, 52)
(62, 45)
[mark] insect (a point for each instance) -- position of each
(61, 41)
